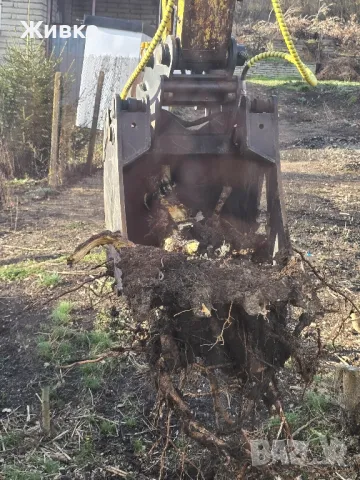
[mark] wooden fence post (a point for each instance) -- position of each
(54, 177)
(94, 124)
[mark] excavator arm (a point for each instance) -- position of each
(219, 163)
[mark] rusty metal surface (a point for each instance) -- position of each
(204, 28)
(229, 149)
(191, 85)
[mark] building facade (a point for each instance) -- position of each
(67, 12)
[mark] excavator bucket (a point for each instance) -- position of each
(216, 176)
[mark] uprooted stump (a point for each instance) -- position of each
(226, 322)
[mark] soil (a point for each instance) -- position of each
(320, 141)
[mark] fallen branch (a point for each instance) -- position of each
(114, 352)
(325, 282)
(103, 238)
(192, 427)
(71, 290)
(117, 471)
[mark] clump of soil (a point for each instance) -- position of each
(229, 319)
(343, 69)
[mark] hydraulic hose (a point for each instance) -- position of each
(292, 57)
(265, 56)
(305, 71)
(150, 50)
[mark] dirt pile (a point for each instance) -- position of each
(226, 321)
(343, 69)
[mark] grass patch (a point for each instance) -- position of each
(294, 420)
(95, 257)
(45, 350)
(12, 439)
(35, 468)
(21, 181)
(50, 280)
(18, 473)
(107, 428)
(62, 312)
(317, 403)
(294, 83)
(92, 375)
(99, 341)
(130, 422)
(87, 451)
(138, 445)
(93, 382)
(20, 271)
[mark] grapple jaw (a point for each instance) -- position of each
(163, 171)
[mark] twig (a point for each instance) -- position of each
(163, 453)
(68, 273)
(340, 476)
(280, 429)
(227, 324)
(343, 321)
(325, 282)
(304, 426)
(183, 311)
(116, 471)
(185, 458)
(114, 352)
(282, 416)
(71, 290)
(45, 409)
(192, 427)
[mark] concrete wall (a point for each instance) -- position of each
(271, 69)
(13, 11)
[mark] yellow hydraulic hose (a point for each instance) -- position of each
(271, 54)
(305, 71)
(150, 50)
(292, 57)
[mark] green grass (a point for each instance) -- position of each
(21, 181)
(295, 83)
(99, 341)
(92, 382)
(92, 375)
(62, 313)
(12, 439)
(29, 268)
(130, 422)
(294, 420)
(20, 271)
(45, 350)
(50, 280)
(138, 445)
(20, 473)
(87, 451)
(317, 403)
(35, 468)
(107, 428)
(95, 257)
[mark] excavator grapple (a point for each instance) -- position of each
(191, 139)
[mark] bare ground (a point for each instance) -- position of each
(103, 416)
